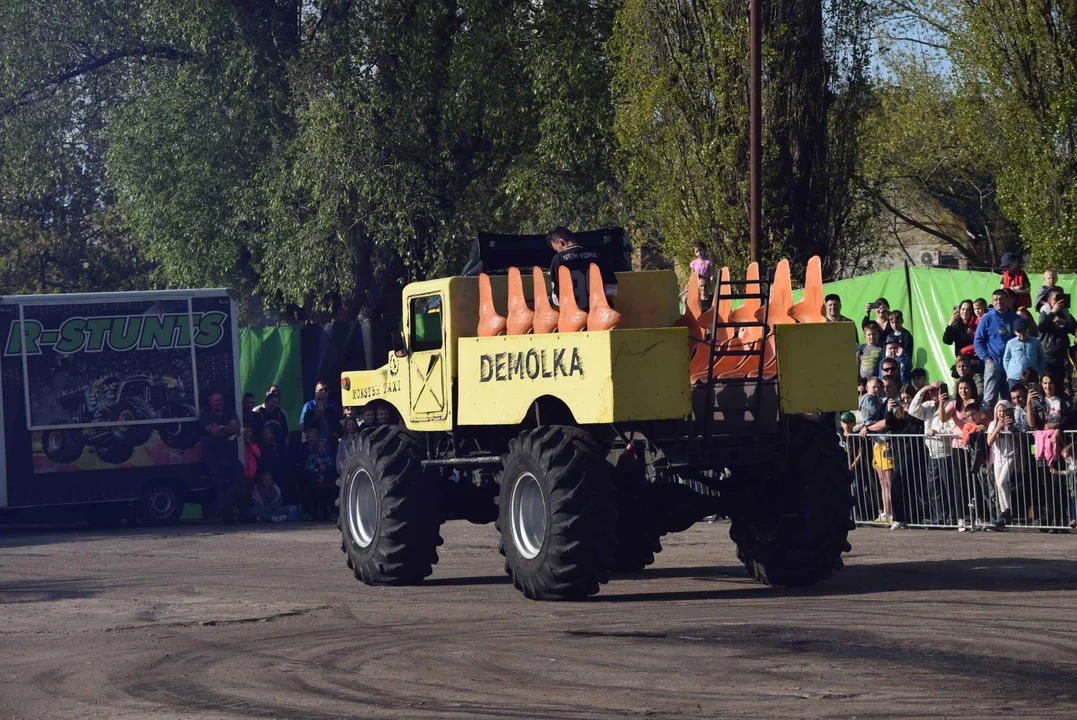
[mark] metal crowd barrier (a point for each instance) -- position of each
(937, 482)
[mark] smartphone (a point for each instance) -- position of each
(1008, 412)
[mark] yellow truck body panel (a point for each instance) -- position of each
(816, 367)
(605, 376)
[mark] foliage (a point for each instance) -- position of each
(59, 226)
(985, 122)
(681, 84)
(928, 166)
(319, 154)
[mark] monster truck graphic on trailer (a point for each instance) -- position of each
(131, 402)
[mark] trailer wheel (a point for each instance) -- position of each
(116, 449)
(791, 523)
(129, 410)
(63, 446)
(179, 435)
(557, 515)
(390, 508)
(159, 504)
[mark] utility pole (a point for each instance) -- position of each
(755, 130)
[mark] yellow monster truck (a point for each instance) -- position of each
(586, 447)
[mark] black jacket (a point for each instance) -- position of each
(1055, 336)
(957, 335)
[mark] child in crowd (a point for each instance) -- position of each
(872, 409)
(1015, 280)
(1033, 327)
(965, 366)
(1003, 452)
(266, 500)
(1050, 280)
(973, 429)
(368, 417)
(899, 333)
(351, 433)
(321, 475)
(386, 415)
(895, 351)
(848, 428)
(979, 309)
(1022, 351)
(870, 353)
(251, 453)
(918, 378)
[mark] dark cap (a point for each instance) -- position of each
(1020, 324)
(1008, 258)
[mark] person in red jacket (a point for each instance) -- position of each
(1015, 280)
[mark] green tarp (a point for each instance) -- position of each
(934, 293)
(273, 355)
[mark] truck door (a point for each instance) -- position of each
(427, 366)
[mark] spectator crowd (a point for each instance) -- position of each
(284, 475)
(960, 451)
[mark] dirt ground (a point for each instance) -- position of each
(267, 622)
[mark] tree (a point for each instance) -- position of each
(681, 125)
(59, 227)
(929, 168)
(982, 122)
(319, 154)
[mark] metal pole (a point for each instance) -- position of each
(755, 151)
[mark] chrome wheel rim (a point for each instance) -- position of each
(162, 502)
(362, 508)
(528, 515)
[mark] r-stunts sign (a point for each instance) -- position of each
(118, 333)
(530, 365)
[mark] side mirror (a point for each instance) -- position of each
(400, 348)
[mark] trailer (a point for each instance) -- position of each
(101, 396)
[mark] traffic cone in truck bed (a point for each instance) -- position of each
(600, 316)
(572, 318)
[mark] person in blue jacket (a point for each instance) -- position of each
(1022, 352)
(994, 330)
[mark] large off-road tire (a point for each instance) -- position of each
(557, 514)
(160, 504)
(638, 530)
(791, 522)
(390, 509)
(179, 435)
(129, 410)
(63, 446)
(116, 449)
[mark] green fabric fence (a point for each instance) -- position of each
(935, 292)
(273, 355)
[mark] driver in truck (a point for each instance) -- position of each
(578, 261)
